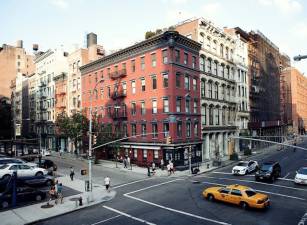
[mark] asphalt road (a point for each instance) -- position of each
(179, 201)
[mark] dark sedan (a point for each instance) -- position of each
(23, 194)
(47, 164)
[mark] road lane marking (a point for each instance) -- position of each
(133, 182)
(227, 173)
(128, 215)
(267, 192)
(257, 182)
(106, 220)
(286, 175)
(155, 185)
(177, 211)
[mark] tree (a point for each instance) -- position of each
(5, 118)
(149, 34)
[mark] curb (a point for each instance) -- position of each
(65, 213)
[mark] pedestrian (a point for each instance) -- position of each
(125, 162)
(294, 148)
(72, 173)
(168, 169)
(153, 168)
(172, 167)
(148, 170)
(162, 164)
(107, 182)
(59, 192)
(128, 161)
(52, 194)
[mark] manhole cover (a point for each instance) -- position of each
(47, 206)
(74, 199)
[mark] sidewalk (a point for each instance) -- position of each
(34, 213)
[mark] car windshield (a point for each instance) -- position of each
(266, 167)
(3, 167)
(250, 193)
(302, 171)
(242, 164)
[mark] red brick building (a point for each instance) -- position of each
(149, 88)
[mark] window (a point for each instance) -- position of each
(193, 62)
(178, 105)
(133, 65)
(143, 109)
(187, 105)
(185, 59)
(208, 42)
(222, 70)
(133, 108)
(210, 115)
(145, 153)
(217, 116)
(223, 116)
(154, 106)
(153, 60)
(154, 130)
(178, 77)
(179, 128)
(165, 80)
(165, 105)
(164, 56)
(221, 50)
(124, 86)
(214, 46)
(209, 66)
(236, 192)
(196, 129)
(194, 84)
(177, 56)
(216, 91)
(133, 87)
(224, 190)
(133, 129)
(156, 154)
(227, 53)
(204, 114)
(202, 63)
(125, 130)
(124, 67)
(188, 129)
(143, 84)
(187, 82)
(143, 63)
(109, 92)
(210, 89)
(154, 82)
(109, 72)
(203, 88)
(143, 129)
(227, 72)
(215, 65)
(195, 106)
(166, 129)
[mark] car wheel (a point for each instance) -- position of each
(4, 204)
(244, 205)
(38, 198)
(210, 197)
(39, 174)
(6, 177)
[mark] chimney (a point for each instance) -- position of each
(19, 44)
(91, 39)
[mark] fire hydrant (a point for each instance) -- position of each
(80, 201)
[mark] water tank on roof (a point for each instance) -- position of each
(35, 47)
(19, 44)
(91, 39)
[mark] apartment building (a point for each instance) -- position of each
(13, 60)
(49, 65)
(218, 85)
(150, 91)
(293, 98)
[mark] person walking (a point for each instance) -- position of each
(162, 164)
(129, 162)
(172, 167)
(72, 173)
(107, 182)
(294, 148)
(52, 194)
(153, 165)
(148, 170)
(125, 162)
(168, 169)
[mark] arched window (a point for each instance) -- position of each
(211, 115)
(227, 53)
(202, 63)
(222, 50)
(210, 89)
(217, 116)
(216, 91)
(215, 68)
(209, 42)
(209, 67)
(203, 88)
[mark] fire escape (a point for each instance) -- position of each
(119, 112)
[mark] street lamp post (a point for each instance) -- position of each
(90, 140)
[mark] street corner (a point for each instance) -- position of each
(109, 196)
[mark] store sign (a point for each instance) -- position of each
(18, 129)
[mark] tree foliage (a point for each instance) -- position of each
(149, 34)
(5, 118)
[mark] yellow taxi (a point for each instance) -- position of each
(237, 194)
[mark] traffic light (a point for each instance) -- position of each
(94, 139)
(168, 140)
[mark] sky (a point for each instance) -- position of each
(120, 23)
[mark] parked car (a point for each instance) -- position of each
(245, 167)
(31, 181)
(46, 164)
(268, 171)
(301, 176)
(23, 194)
(22, 170)
(238, 195)
(17, 161)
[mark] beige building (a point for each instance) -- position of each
(293, 99)
(13, 60)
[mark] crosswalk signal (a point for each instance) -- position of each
(168, 140)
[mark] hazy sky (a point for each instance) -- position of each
(120, 23)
